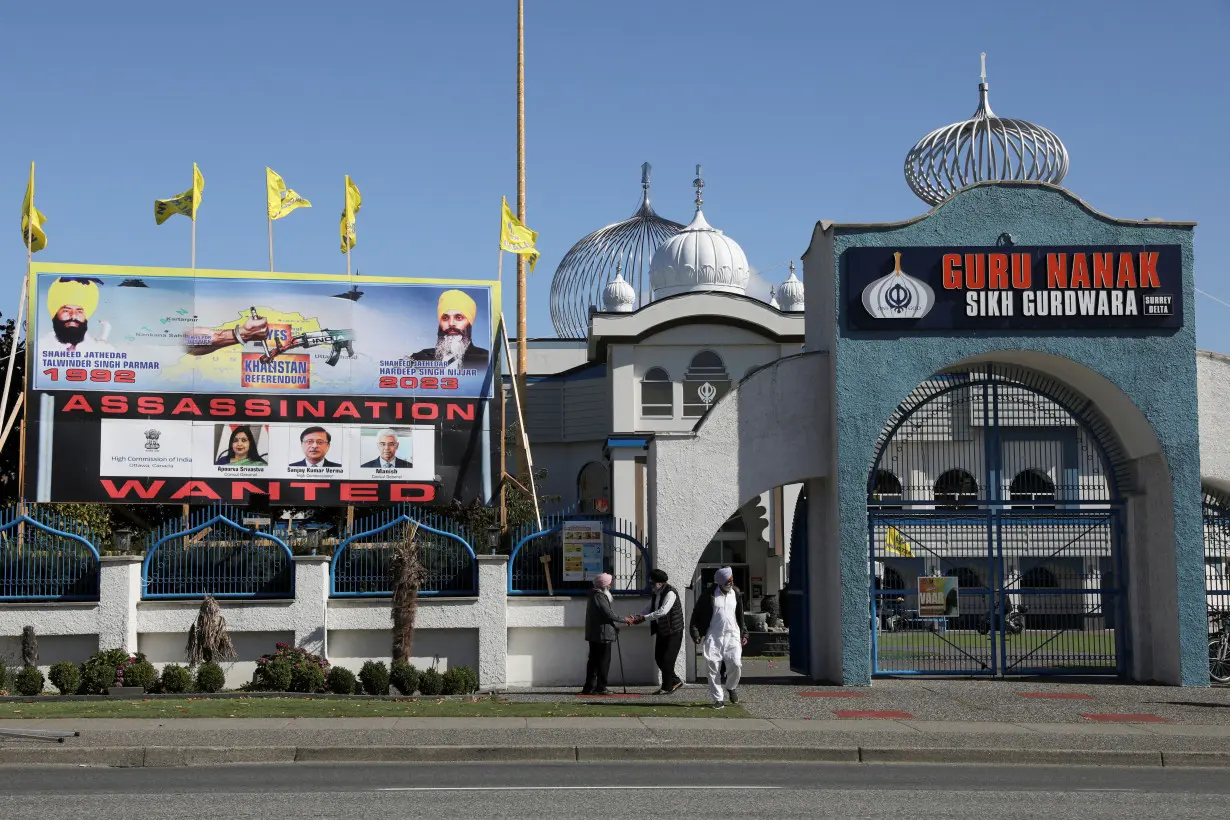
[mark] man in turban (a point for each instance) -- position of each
(454, 342)
(71, 301)
(718, 617)
(601, 630)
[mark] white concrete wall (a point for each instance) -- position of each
(546, 643)
(1213, 390)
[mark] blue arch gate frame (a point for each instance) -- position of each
(1025, 518)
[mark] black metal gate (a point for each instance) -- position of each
(1217, 569)
(997, 487)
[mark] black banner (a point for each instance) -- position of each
(93, 446)
(1007, 289)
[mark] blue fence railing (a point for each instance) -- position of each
(220, 558)
(40, 562)
(623, 555)
(362, 565)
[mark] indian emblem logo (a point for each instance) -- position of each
(151, 439)
(898, 295)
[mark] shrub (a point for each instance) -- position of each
(290, 669)
(471, 679)
(375, 678)
(452, 682)
(4, 677)
(137, 672)
(307, 677)
(29, 681)
(431, 682)
(64, 676)
(176, 679)
(210, 677)
(341, 681)
(405, 677)
(98, 673)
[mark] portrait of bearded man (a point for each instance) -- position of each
(71, 301)
(454, 336)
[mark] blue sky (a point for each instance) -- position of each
(798, 111)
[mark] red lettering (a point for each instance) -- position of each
(257, 407)
(413, 492)
(423, 412)
(132, 485)
(459, 411)
(194, 489)
(347, 408)
(997, 278)
(976, 274)
(150, 405)
(303, 409)
(952, 271)
(222, 407)
(78, 402)
(240, 490)
(1080, 273)
(1103, 270)
(310, 487)
(282, 413)
(115, 404)
(1080, 269)
(1022, 276)
(375, 407)
(1148, 270)
(1056, 270)
(187, 406)
(360, 492)
(1127, 271)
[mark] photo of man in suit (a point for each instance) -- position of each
(387, 444)
(315, 442)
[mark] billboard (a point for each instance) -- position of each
(166, 385)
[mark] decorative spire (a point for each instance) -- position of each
(698, 184)
(646, 170)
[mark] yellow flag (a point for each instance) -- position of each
(32, 219)
(895, 542)
(353, 201)
(185, 203)
(515, 237)
(282, 200)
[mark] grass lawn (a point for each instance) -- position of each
(330, 707)
(1071, 646)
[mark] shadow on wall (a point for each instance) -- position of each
(550, 656)
(352, 648)
(51, 649)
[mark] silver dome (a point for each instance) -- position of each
(984, 147)
(590, 265)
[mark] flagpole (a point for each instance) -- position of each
(521, 283)
(499, 276)
(194, 242)
(17, 328)
(270, 244)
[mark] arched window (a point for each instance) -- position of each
(705, 382)
(1032, 485)
(657, 394)
(955, 490)
(887, 490)
(966, 577)
(594, 488)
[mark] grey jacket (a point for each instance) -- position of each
(601, 622)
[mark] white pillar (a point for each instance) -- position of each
(311, 604)
(119, 590)
(492, 621)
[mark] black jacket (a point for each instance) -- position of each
(601, 622)
(702, 613)
(474, 356)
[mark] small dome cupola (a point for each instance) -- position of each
(791, 292)
(618, 296)
(698, 258)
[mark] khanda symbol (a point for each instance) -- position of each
(898, 295)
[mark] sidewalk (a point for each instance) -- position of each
(957, 721)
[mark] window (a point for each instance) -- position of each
(705, 382)
(594, 488)
(657, 394)
(1032, 485)
(887, 489)
(955, 490)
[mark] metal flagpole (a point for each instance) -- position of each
(270, 243)
(521, 283)
(503, 433)
(194, 242)
(525, 441)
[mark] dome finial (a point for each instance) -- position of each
(984, 68)
(646, 170)
(698, 184)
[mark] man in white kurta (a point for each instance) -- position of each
(719, 611)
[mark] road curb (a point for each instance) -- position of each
(170, 756)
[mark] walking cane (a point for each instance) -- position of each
(622, 678)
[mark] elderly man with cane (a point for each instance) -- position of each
(719, 613)
(601, 630)
(665, 616)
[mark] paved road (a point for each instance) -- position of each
(611, 791)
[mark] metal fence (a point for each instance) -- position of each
(363, 563)
(217, 557)
(1217, 557)
(45, 562)
(624, 556)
